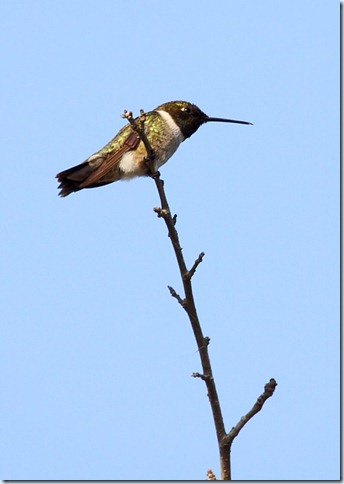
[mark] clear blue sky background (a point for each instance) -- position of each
(96, 356)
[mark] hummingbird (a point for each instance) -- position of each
(125, 156)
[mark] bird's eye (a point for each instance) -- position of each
(186, 109)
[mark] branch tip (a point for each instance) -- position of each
(127, 114)
(189, 274)
(269, 389)
(174, 294)
(210, 475)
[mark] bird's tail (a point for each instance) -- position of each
(75, 179)
(71, 179)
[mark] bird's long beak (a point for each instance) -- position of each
(224, 120)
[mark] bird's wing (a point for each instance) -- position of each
(111, 159)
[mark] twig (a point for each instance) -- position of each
(201, 376)
(192, 271)
(173, 293)
(139, 128)
(269, 389)
(226, 444)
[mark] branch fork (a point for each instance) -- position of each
(269, 389)
(188, 275)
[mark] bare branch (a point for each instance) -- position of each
(269, 389)
(173, 293)
(197, 262)
(224, 440)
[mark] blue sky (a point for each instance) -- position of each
(96, 356)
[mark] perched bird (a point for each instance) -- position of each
(124, 157)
